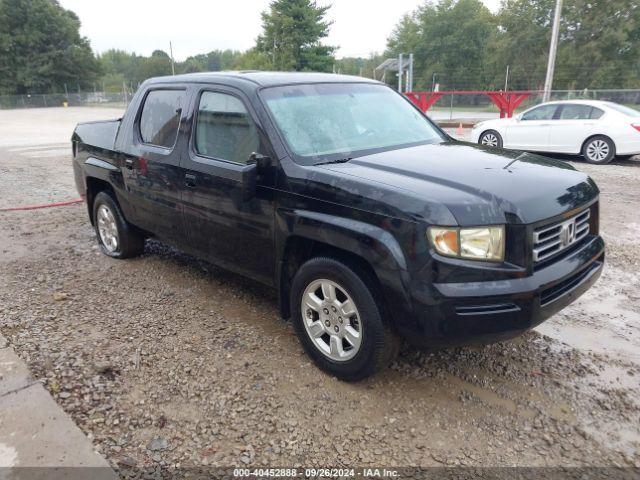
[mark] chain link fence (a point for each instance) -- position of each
(85, 99)
(457, 106)
(450, 106)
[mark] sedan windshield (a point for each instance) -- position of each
(334, 122)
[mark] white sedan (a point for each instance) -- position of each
(598, 130)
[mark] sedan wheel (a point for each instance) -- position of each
(491, 138)
(599, 150)
(331, 320)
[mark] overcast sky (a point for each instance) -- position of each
(199, 26)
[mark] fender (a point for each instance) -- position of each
(96, 168)
(378, 247)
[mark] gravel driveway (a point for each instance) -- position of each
(166, 360)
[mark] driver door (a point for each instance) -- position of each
(531, 131)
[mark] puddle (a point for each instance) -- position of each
(592, 340)
(603, 324)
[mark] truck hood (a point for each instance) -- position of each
(478, 185)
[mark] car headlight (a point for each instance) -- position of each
(475, 243)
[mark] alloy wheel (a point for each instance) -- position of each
(597, 150)
(489, 139)
(331, 320)
(107, 228)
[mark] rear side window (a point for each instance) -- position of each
(160, 117)
(224, 128)
(544, 112)
(575, 112)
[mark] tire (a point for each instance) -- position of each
(109, 224)
(377, 345)
(599, 150)
(490, 138)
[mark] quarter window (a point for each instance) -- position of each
(224, 128)
(160, 117)
(595, 113)
(545, 112)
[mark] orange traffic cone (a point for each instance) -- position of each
(459, 130)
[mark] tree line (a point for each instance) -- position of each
(458, 44)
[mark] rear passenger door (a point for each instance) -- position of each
(572, 124)
(232, 231)
(151, 163)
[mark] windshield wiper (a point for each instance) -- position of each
(339, 160)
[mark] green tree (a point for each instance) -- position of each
(449, 39)
(41, 49)
(292, 34)
(599, 45)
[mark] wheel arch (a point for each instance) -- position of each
(593, 135)
(371, 250)
(96, 185)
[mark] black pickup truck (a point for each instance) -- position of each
(369, 220)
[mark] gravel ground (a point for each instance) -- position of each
(166, 360)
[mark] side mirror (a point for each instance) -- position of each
(261, 161)
(257, 163)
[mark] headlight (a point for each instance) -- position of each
(476, 243)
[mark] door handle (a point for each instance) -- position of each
(128, 163)
(190, 180)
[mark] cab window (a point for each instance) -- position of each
(544, 112)
(224, 128)
(160, 118)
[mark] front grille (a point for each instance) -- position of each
(553, 239)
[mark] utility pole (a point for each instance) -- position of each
(506, 80)
(400, 73)
(173, 68)
(410, 80)
(548, 83)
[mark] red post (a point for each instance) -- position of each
(424, 100)
(507, 102)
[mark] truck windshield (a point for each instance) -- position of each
(332, 122)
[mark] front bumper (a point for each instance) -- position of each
(448, 314)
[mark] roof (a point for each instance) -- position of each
(263, 79)
(591, 103)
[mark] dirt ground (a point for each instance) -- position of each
(166, 360)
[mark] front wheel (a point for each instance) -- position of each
(490, 138)
(599, 150)
(338, 320)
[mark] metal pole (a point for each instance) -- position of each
(173, 68)
(400, 73)
(433, 83)
(548, 83)
(506, 80)
(451, 108)
(411, 72)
